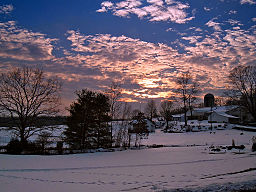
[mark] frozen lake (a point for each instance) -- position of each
(155, 169)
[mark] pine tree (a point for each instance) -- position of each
(139, 128)
(88, 121)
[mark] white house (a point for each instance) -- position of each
(151, 127)
(179, 117)
(222, 117)
(218, 114)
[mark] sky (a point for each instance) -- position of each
(142, 44)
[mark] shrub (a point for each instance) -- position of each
(240, 147)
(233, 143)
(60, 147)
(14, 147)
(254, 147)
(253, 143)
(32, 148)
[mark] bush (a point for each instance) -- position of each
(253, 143)
(60, 147)
(242, 147)
(14, 147)
(32, 148)
(254, 147)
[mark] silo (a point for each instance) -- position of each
(209, 100)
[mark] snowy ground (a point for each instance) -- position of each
(155, 169)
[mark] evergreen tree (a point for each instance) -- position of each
(101, 130)
(150, 109)
(88, 121)
(166, 111)
(139, 128)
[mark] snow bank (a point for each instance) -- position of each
(156, 169)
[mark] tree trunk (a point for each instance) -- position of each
(129, 140)
(191, 112)
(111, 130)
(185, 116)
(23, 140)
(185, 111)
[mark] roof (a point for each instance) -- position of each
(216, 109)
(178, 115)
(226, 115)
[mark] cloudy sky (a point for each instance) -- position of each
(143, 44)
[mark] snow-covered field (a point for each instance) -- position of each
(155, 169)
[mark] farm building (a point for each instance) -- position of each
(222, 117)
(227, 114)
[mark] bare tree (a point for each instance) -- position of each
(165, 111)
(187, 90)
(123, 137)
(126, 111)
(25, 94)
(150, 109)
(139, 128)
(44, 139)
(242, 80)
(219, 101)
(114, 93)
(135, 112)
(192, 93)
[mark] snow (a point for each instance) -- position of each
(189, 166)
(178, 115)
(242, 127)
(227, 115)
(216, 137)
(216, 109)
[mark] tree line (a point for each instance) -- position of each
(27, 94)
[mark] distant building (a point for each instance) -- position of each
(209, 100)
(221, 114)
(178, 117)
(150, 125)
(222, 117)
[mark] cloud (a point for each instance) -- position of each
(214, 25)
(105, 6)
(254, 19)
(122, 53)
(192, 39)
(207, 9)
(247, 1)
(154, 67)
(152, 10)
(145, 69)
(170, 29)
(232, 12)
(234, 22)
(6, 9)
(129, 60)
(22, 44)
(197, 29)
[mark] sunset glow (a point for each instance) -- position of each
(142, 44)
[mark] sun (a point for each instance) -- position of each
(149, 83)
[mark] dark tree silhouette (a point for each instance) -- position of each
(150, 109)
(88, 121)
(187, 88)
(25, 95)
(114, 93)
(139, 128)
(165, 111)
(242, 80)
